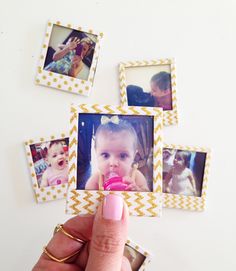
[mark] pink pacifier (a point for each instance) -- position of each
(114, 183)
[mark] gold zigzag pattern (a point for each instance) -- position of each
(188, 205)
(157, 128)
(89, 202)
(76, 203)
(72, 168)
(121, 109)
(73, 154)
(146, 111)
(72, 110)
(126, 198)
(84, 108)
(73, 130)
(96, 108)
(73, 117)
(181, 201)
(157, 140)
(134, 111)
(72, 180)
(151, 200)
(158, 164)
(138, 200)
(72, 142)
(110, 111)
(174, 200)
(100, 196)
(158, 190)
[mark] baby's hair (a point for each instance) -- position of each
(162, 80)
(53, 142)
(123, 125)
(185, 155)
(87, 40)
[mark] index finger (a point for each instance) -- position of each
(62, 246)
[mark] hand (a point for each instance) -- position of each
(105, 236)
(72, 43)
(76, 61)
(132, 186)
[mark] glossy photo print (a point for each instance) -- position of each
(150, 84)
(115, 152)
(70, 52)
(115, 149)
(185, 174)
(48, 161)
(69, 58)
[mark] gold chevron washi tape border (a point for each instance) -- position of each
(192, 203)
(147, 256)
(64, 82)
(48, 193)
(139, 203)
(170, 117)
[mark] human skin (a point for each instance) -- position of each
(105, 233)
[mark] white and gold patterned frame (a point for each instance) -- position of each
(48, 193)
(170, 117)
(142, 251)
(64, 82)
(139, 203)
(191, 203)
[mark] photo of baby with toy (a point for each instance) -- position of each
(70, 52)
(115, 152)
(51, 162)
(183, 172)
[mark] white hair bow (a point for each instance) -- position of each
(113, 119)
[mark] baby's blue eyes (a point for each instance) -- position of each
(122, 156)
(105, 155)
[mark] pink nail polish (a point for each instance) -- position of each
(112, 207)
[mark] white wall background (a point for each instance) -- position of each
(201, 36)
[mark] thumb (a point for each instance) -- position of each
(109, 235)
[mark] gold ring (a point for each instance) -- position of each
(55, 259)
(59, 227)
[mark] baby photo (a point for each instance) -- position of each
(115, 152)
(149, 86)
(70, 52)
(134, 257)
(50, 162)
(183, 172)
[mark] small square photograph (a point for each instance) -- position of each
(133, 259)
(115, 152)
(50, 161)
(149, 86)
(70, 52)
(69, 58)
(115, 149)
(183, 171)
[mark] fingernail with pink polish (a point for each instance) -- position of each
(112, 207)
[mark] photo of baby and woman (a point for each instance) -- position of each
(149, 86)
(70, 52)
(50, 161)
(135, 258)
(183, 172)
(115, 152)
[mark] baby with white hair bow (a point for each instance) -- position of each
(116, 146)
